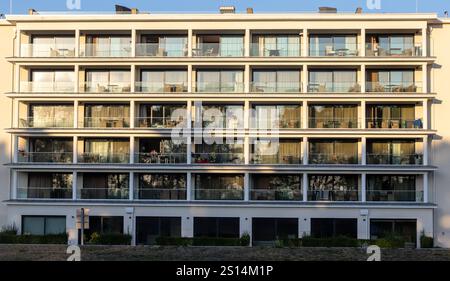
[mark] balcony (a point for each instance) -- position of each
(219, 194)
(160, 122)
(218, 50)
(218, 158)
(44, 193)
(39, 50)
(106, 122)
(108, 87)
(160, 194)
(161, 50)
(333, 159)
(46, 87)
(158, 87)
(391, 159)
(384, 195)
(276, 188)
(334, 87)
(333, 123)
(217, 87)
(261, 194)
(45, 157)
(276, 87)
(218, 187)
(155, 157)
(401, 50)
(394, 123)
(100, 158)
(103, 193)
(334, 50)
(46, 122)
(278, 159)
(333, 195)
(394, 87)
(105, 50)
(275, 50)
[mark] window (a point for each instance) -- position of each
(282, 151)
(392, 116)
(392, 152)
(222, 116)
(392, 188)
(162, 186)
(52, 80)
(108, 46)
(150, 228)
(333, 81)
(276, 45)
(104, 225)
(398, 80)
(163, 80)
(324, 227)
(43, 225)
(108, 81)
(276, 81)
(163, 45)
(337, 151)
(276, 116)
(333, 188)
(107, 115)
(219, 187)
(104, 186)
(272, 229)
(49, 115)
(220, 80)
(106, 151)
(285, 187)
(161, 115)
(405, 228)
(333, 116)
(333, 45)
(216, 227)
(220, 45)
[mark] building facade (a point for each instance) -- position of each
(354, 104)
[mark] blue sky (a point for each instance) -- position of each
(21, 6)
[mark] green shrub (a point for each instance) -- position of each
(426, 242)
(213, 241)
(173, 241)
(339, 241)
(33, 239)
(390, 241)
(110, 239)
(245, 239)
(9, 229)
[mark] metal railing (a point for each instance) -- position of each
(218, 158)
(278, 159)
(222, 123)
(219, 194)
(394, 195)
(333, 195)
(46, 122)
(275, 123)
(105, 50)
(34, 50)
(161, 87)
(276, 87)
(333, 123)
(275, 50)
(103, 193)
(216, 87)
(407, 50)
(391, 159)
(159, 122)
(218, 50)
(160, 193)
(161, 158)
(394, 123)
(334, 87)
(288, 194)
(98, 158)
(44, 193)
(45, 157)
(106, 122)
(46, 87)
(394, 87)
(334, 50)
(333, 158)
(161, 50)
(105, 87)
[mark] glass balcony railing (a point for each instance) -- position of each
(333, 158)
(45, 157)
(44, 193)
(390, 159)
(394, 123)
(275, 50)
(106, 122)
(333, 87)
(160, 194)
(161, 50)
(333, 123)
(161, 87)
(407, 50)
(218, 50)
(217, 158)
(106, 87)
(215, 87)
(98, 158)
(278, 159)
(103, 193)
(395, 195)
(333, 195)
(46, 87)
(221, 122)
(46, 50)
(105, 50)
(334, 50)
(394, 87)
(49, 122)
(219, 194)
(287, 194)
(161, 158)
(160, 122)
(273, 123)
(276, 87)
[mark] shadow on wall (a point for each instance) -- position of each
(4, 179)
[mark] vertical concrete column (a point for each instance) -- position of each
(190, 43)
(15, 152)
(362, 45)
(247, 115)
(189, 114)
(363, 78)
(77, 85)
(246, 187)
(304, 227)
(425, 41)
(18, 43)
(247, 82)
(77, 43)
(305, 78)
(189, 79)
(75, 149)
(17, 78)
(14, 184)
(362, 115)
(363, 151)
(247, 41)
(132, 149)
(75, 114)
(133, 42)
(16, 114)
(189, 149)
(363, 187)
(74, 185)
(425, 150)
(363, 225)
(187, 225)
(305, 118)
(425, 187)
(425, 78)
(426, 114)
(246, 150)
(245, 226)
(132, 114)
(305, 150)
(189, 188)
(305, 41)
(133, 78)
(131, 187)
(305, 187)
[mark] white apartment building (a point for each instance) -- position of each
(358, 102)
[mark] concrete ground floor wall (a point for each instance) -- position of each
(187, 213)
